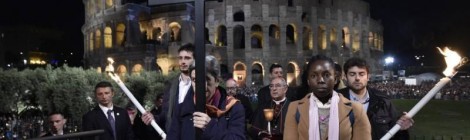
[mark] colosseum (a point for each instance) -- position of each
(246, 36)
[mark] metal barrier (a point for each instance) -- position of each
(440, 137)
(92, 133)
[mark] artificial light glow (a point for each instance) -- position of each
(389, 60)
(110, 67)
(452, 59)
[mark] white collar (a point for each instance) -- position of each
(183, 80)
(59, 133)
(354, 97)
(280, 101)
(105, 109)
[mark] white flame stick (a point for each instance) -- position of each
(110, 70)
(453, 61)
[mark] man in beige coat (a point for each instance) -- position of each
(324, 114)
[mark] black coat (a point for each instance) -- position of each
(246, 104)
(381, 113)
(259, 122)
(96, 119)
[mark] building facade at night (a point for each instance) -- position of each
(246, 36)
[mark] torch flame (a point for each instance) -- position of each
(452, 59)
(110, 67)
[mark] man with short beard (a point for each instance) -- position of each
(177, 88)
(380, 110)
(232, 89)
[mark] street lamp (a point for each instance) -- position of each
(389, 60)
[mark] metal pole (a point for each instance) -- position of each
(200, 53)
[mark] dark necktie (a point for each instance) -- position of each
(111, 122)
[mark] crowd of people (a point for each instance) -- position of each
(458, 89)
(332, 103)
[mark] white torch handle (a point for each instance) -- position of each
(269, 128)
(136, 103)
(418, 106)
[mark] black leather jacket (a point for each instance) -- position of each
(381, 113)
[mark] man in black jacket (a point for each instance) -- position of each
(57, 122)
(279, 103)
(380, 110)
(114, 120)
(231, 86)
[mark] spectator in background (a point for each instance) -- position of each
(57, 122)
(232, 89)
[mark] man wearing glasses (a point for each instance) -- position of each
(279, 103)
(232, 89)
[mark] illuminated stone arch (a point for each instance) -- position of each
(291, 34)
(120, 34)
(91, 41)
(121, 70)
(256, 36)
(293, 73)
(307, 39)
(137, 69)
(173, 67)
(376, 41)
(322, 41)
(221, 37)
(257, 73)
(346, 37)
(97, 39)
(108, 37)
(238, 37)
(356, 44)
(274, 35)
(175, 31)
(98, 69)
(371, 40)
(109, 3)
(239, 73)
(333, 38)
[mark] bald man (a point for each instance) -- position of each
(232, 90)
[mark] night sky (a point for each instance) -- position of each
(412, 27)
(416, 27)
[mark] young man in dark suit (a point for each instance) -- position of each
(112, 119)
(380, 110)
(57, 122)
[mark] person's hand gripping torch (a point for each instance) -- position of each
(110, 70)
(454, 62)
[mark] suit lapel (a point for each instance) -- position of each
(102, 119)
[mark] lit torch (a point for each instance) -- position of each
(110, 70)
(454, 62)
